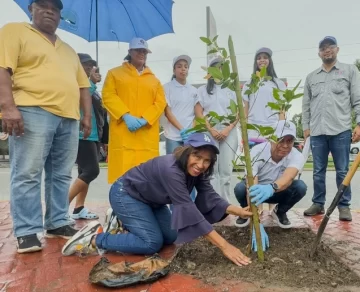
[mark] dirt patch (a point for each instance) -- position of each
(287, 262)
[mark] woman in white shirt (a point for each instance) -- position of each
(181, 98)
(256, 104)
(213, 98)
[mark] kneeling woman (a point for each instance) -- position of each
(139, 199)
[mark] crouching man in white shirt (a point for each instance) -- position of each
(275, 166)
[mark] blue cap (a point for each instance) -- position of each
(201, 139)
(58, 3)
(329, 39)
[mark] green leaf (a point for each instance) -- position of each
(226, 124)
(296, 86)
(263, 72)
(273, 138)
(212, 51)
(298, 95)
(288, 95)
(265, 131)
(267, 78)
(224, 54)
(201, 121)
(213, 115)
(287, 107)
(276, 94)
(232, 86)
(233, 75)
(233, 107)
(274, 106)
(206, 40)
(226, 70)
(197, 128)
(225, 84)
(215, 38)
(215, 73)
(252, 127)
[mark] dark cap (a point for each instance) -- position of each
(86, 58)
(58, 3)
(330, 39)
(201, 139)
(264, 50)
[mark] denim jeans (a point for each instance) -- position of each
(149, 228)
(171, 145)
(285, 199)
(339, 147)
(49, 142)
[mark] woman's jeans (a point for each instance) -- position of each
(149, 228)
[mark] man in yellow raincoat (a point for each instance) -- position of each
(135, 100)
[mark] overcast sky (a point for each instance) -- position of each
(292, 29)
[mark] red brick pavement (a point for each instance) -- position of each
(50, 271)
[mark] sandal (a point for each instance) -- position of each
(84, 214)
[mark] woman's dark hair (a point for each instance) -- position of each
(270, 70)
(173, 77)
(183, 153)
(211, 83)
(128, 58)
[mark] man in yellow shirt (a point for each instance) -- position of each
(42, 85)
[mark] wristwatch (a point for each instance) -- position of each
(275, 187)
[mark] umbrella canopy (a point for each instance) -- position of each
(114, 20)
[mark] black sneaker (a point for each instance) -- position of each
(64, 232)
(241, 222)
(28, 243)
(281, 219)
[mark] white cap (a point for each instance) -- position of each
(182, 57)
(285, 128)
(216, 59)
(138, 43)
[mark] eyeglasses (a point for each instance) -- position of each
(324, 48)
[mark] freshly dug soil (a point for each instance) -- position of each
(287, 262)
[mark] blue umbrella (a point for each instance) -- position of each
(114, 20)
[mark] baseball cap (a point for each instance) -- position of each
(329, 39)
(201, 139)
(138, 43)
(86, 58)
(264, 50)
(182, 57)
(58, 3)
(285, 128)
(217, 59)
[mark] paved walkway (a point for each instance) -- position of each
(50, 271)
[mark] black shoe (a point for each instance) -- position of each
(28, 243)
(64, 232)
(281, 219)
(345, 214)
(241, 222)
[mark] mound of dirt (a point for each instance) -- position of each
(287, 262)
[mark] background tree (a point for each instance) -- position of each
(297, 119)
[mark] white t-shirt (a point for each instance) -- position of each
(217, 102)
(259, 112)
(267, 170)
(181, 99)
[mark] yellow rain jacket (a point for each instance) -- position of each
(125, 91)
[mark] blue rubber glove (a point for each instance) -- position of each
(260, 193)
(185, 134)
(143, 122)
(131, 122)
(264, 239)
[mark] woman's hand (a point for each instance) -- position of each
(235, 255)
(238, 211)
(216, 134)
(225, 132)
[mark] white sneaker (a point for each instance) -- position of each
(112, 224)
(81, 241)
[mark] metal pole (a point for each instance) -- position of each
(97, 32)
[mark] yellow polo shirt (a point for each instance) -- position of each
(44, 75)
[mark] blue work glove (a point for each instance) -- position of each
(264, 239)
(260, 193)
(143, 122)
(185, 134)
(131, 122)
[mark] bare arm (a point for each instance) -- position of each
(11, 117)
(85, 104)
(246, 108)
(172, 119)
(287, 178)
